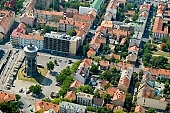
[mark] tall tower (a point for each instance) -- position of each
(31, 59)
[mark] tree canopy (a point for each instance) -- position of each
(86, 89)
(63, 74)
(76, 4)
(46, 29)
(9, 107)
(150, 110)
(85, 49)
(35, 89)
(94, 69)
(50, 65)
(71, 32)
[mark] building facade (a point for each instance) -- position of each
(84, 99)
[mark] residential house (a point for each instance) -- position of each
(111, 91)
(28, 18)
(67, 107)
(112, 9)
(66, 24)
(123, 66)
(133, 49)
(143, 15)
(108, 16)
(159, 73)
(139, 109)
(82, 72)
(10, 4)
(30, 6)
(87, 18)
(61, 43)
(41, 106)
(125, 79)
(6, 21)
(84, 99)
(107, 24)
(96, 43)
(119, 98)
(71, 96)
(6, 97)
(70, 12)
(49, 15)
(102, 29)
(144, 7)
(85, 10)
(75, 85)
(104, 65)
(152, 103)
(131, 58)
(110, 106)
(98, 102)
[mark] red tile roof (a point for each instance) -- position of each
(6, 97)
(71, 96)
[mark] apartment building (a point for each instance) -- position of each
(119, 98)
(28, 18)
(10, 4)
(84, 99)
(61, 43)
(49, 15)
(44, 3)
(6, 21)
(84, 10)
(83, 70)
(67, 107)
(30, 6)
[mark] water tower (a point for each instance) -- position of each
(31, 60)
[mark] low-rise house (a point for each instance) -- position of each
(91, 53)
(102, 29)
(133, 50)
(67, 107)
(104, 65)
(98, 102)
(42, 106)
(131, 58)
(119, 98)
(6, 97)
(152, 103)
(139, 109)
(159, 73)
(110, 106)
(111, 91)
(104, 83)
(28, 18)
(82, 72)
(84, 99)
(123, 66)
(108, 24)
(70, 12)
(75, 85)
(144, 7)
(87, 18)
(84, 10)
(71, 96)
(10, 4)
(108, 16)
(30, 6)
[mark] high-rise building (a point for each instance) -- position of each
(31, 59)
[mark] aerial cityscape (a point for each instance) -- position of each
(84, 56)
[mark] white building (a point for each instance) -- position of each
(67, 107)
(84, 10)
(84, 99)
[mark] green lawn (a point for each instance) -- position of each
(37, 79)
(161, 53)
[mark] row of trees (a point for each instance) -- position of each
(75, 4)
(165, 45)
(153, 61)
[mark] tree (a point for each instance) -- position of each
(135, 16)
(71, 32)
(163, 46)
(50, 65)
(56, 5)
(46, 29)
(107, 98)
(85, 49)
(128, 101)
(104, 110)
(106, 49)
(97, 59)
(120, 15)
(90, 108)
(35, 89)
(97, 94)
(130, 6)
(55, 61)
(75, 66)
(63, 74)
(86, 89)
(150, 110)
(127, 20)
(94, 69)
(9, 107)
(17, 97)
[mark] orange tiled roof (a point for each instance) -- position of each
(119, 95)
(91, 51)
(124, 65)
(107, 24)
(6, 97)
(70, 95)
(87, 17)
(158, 72)
(144, 13)
(44, 106)
(133, 48)
(54, 13)
(10, 3)
(147, 6)
(139, 109)
(145, 90)
(104, 63)
(119, 32)
(116, 56)
(76, 84)
(101, 28)
(124, 81)
(93, 12)
(111, 90)
(31, 5)
(104, 82)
